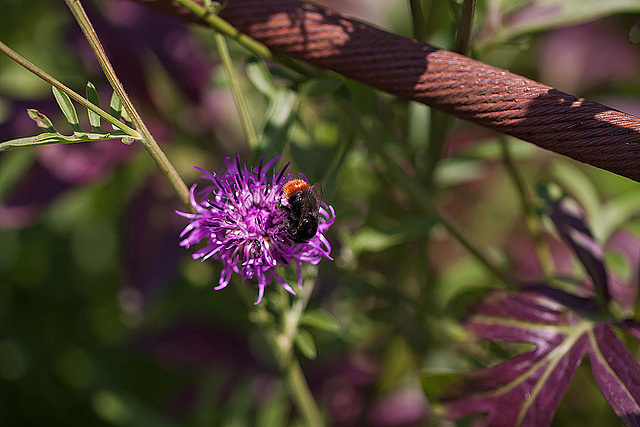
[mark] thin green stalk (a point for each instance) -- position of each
(253, 46)
(477, 253)
(440, 123)
(532, 220)
(291, 318)
(281, 345)
(72, 94)
(241, 102)
(463, 36)
(148, 142)
(264, 319)
(417, 19)
(302, 395)
(296, 381)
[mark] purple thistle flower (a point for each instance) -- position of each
(240, 217)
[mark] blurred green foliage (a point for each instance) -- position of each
(105, 321)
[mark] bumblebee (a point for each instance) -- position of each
(301, 221)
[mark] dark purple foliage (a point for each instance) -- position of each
(562, 329)
(617, 373)
(527, 388)
(570, 222)
(150, 253)
(129, 33)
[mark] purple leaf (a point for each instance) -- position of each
(570, 221)
(561, 328)
(527, 388)
(617, 373)
(585, 306)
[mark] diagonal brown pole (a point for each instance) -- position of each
(500, 100)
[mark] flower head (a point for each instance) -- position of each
(240, 215)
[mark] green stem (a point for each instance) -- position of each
(302, 395)
(253, 46)
(480, 257)
(532, 220)
(281, 344)
(72, 94)
(148, 142)
(241, 102)
(440, 123)
(264, 319)
(298, 386)
(417, 18)
(292, 317)
(463, 36)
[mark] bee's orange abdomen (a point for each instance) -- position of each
(294, 186)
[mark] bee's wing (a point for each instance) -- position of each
(316, 190)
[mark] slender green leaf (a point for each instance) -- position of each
(320, 86)
(41, 120)
(369, 239)
(280, 115)
(58, 138)
(260, 76)
(18, 143)
(115, 106)
(305, 343)
(320, 319)
(125, 116)
(67, 108)
(117, 111)
(92, 96)
(52, 136)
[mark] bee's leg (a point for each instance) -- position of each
(285, 208)
(286, 223)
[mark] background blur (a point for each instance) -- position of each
(105, 320)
